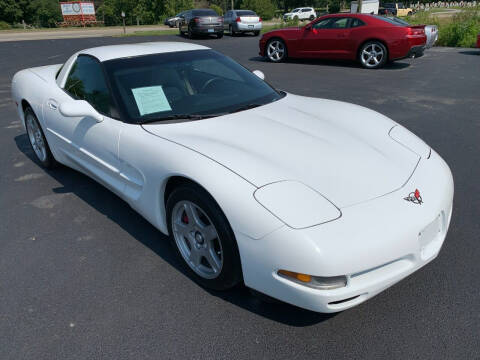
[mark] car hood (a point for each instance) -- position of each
(341, 150)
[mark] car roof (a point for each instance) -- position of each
(110, 52)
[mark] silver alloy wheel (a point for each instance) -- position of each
(197, 239)
(276, 50)
(36, 138)
(372, 55)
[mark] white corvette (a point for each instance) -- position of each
(318, 203)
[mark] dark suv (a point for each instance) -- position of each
(201, 22)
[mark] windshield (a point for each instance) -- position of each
(182, 84)
(296, 10)
(204, 12)
(390, 20)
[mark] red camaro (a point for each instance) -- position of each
(372, 40)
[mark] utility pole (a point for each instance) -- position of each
(359, 8)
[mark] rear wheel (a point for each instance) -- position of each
(373, 55)
(231, 31)
(190, 32)
(256, 33)
(203, 238)
(37, 139)
(276, 50)
(311, 17)
(219, 35)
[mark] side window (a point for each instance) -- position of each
(305, 10)
(356, 23)
(87, 82)
(339, 23)
(322, 24)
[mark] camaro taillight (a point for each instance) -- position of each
(317, 282)
(238, 19)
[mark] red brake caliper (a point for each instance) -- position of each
(185, 218)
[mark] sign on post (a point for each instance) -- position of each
(78, 12)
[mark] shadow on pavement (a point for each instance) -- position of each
(395, 65)
(117, 210)
(470, 52)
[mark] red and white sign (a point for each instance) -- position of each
(78, 11)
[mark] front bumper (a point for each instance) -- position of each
(375, 244)
(246, 27)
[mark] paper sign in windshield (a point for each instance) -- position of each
(151, 100)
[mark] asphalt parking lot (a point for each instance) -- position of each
(82, 276)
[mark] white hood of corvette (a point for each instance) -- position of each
(341, 150)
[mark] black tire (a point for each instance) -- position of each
(180, 31)
(49, 161)
(295, 18)
(231, 272)
(311, 18)
(190, 32)
(285, 53)
(409, 13)
(256, 33)
(368, 62)
(219, 35)
(231, 31)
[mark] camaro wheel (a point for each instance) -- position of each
(203, 238)
(276, 50)
(373, 55)
(37, 140)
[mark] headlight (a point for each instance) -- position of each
(296, 204)
(317, 282)
(410, 141)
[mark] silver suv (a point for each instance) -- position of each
(242, 21)
(306, 13)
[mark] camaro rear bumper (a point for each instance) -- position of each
(375, 244)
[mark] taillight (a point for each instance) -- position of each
(197, 20)
(238, 19)
(220, 19)
(260, 19)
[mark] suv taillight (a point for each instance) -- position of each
(197, 20)
(238, 19)
(259, 19)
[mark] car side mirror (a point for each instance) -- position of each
(80, 108)
(259, 73)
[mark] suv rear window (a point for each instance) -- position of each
(204, 12)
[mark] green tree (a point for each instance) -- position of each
(264, 8)
(10, 11)
(45, 13)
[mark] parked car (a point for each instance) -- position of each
(318, 203)
(174, 20)
(431, 31)
(306, 13)
(396, 9)
(242, 21)
(370, 39)
(201, 22)
(478, 40)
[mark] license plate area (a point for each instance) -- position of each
(211, 30)
(251, 26)
(430, 238)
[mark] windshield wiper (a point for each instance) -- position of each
(182, 117)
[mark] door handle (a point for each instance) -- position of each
(52, 104)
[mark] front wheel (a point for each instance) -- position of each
(276, 50)
(38, 142)
(373, 55)
(203, 238)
